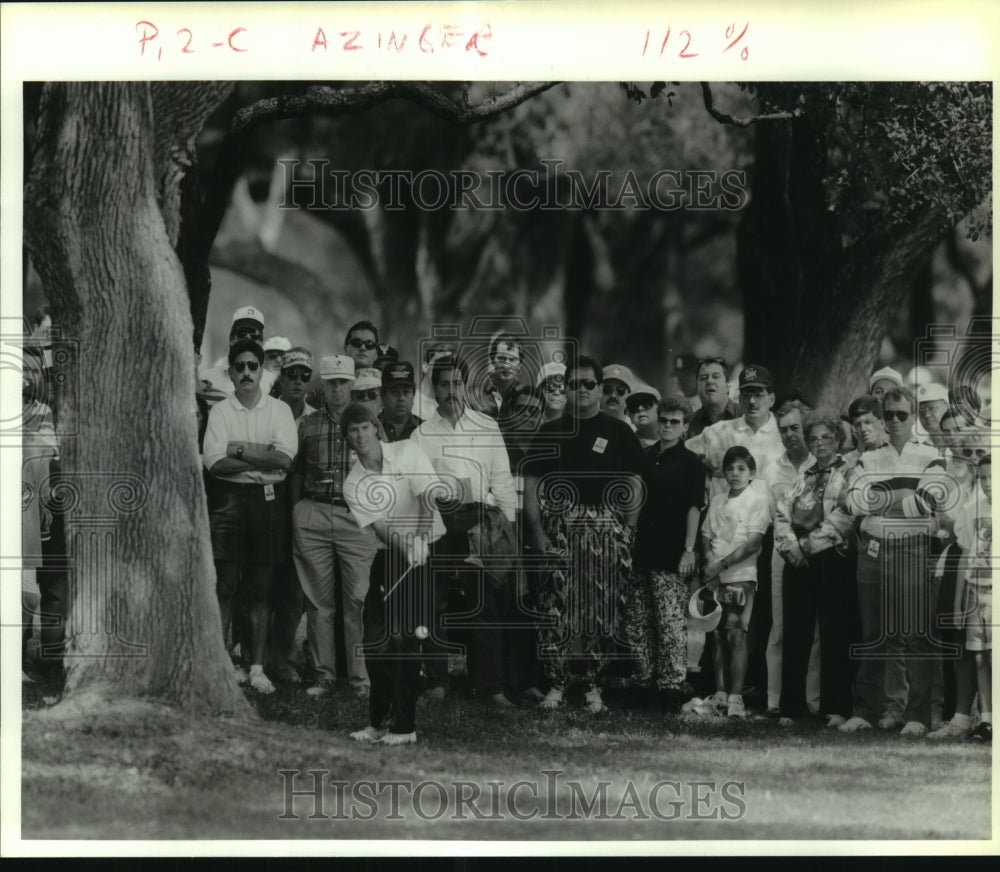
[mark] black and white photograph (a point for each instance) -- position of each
(451, 463)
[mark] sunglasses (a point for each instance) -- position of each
(366, 344)
(640, 406)
(241, 365)
(364, 396)
(555, 387)
(670, 422)
(248, 333)
(302, 375)
(620, 390)
(575, 384)
(974, 452)
(893, 415)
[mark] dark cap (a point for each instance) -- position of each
(754, 376)
(398, 373)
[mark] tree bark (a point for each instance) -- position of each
(101, 220)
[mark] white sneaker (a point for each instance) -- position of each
(720, 699)
(835, 722)
(735, 707)
(259, 681)
(913, 728)
(396, 739)
(891, 721)
(949, 730)
(593, 701)
(368, 734)
(855, 725)
(553, 699)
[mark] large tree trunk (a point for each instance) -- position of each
(102, 218)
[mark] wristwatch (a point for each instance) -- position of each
(689, 550)
(239, 452)
(725, 564)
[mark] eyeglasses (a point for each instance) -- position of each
(241, 365)
(824, 439)
(621, 390)
(364, 396)
(893, 415)
(670, 422)
(974, 452)
(302, 375)
(366, 344)
(575, 384)
(248, 333)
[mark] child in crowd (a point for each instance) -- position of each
(731, 539)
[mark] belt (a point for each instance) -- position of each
(276, 484)
(330, 501)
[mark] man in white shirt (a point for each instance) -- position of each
(250, 442)
(467, 450)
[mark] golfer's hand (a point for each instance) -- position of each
(417, 551)
(687, 564)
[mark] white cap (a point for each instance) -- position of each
(928, 393)
(550, 370)
(919, 375)
(696, 619)
(249, 313)
(622, 373)
(367, 378)
(641, 390)
(337, 366)
(886, 372)
(277, 343)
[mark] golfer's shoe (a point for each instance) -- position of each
(593, 701)
(948, 730)
(891, 721)
(553, 699)
(736, 708)
(913, 728)
(982, 733)
(368, 734)
(259, 681)
(835, 722)
(855, 725)
(396, 739)
(771, 714)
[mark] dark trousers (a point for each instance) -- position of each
(822, 590)
(949, 635)
(53, 585)
(392, 650)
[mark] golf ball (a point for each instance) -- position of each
(422, 632)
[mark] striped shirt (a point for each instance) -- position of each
(891, 484)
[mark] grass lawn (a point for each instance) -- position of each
(145, 772)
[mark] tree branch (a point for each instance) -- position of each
(725, 118)
(340, 101)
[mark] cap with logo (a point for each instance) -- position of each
(622, 373)
(551, 370)
(297, 357)
(929, 393)
(337, 366)
(366, 378)
(887, 373)
(249, 313)
(754, 376)
(640, 392)
(277, 343)
(399, 373)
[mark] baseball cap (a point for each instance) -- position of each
(366, 378)
(296, 357)
(640, 391)
(754, 376)
(622, 373)
(277, 343)
(551, 370)
(386, 354)
(400, 373)
(928, 393)
(886, 372)
(249, 313)
(704, 611)
(337, 366)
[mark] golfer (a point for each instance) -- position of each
(386, 490)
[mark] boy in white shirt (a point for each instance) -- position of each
(731, 538)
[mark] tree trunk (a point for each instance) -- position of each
(101, 220)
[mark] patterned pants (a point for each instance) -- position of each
(656, 628)
(582, 595)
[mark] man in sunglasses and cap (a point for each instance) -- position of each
(617, 385)
(249, 446)
(891, 484)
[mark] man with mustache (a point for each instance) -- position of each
(250, 443)
(617, 385)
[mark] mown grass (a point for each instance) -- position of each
(147, 772)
